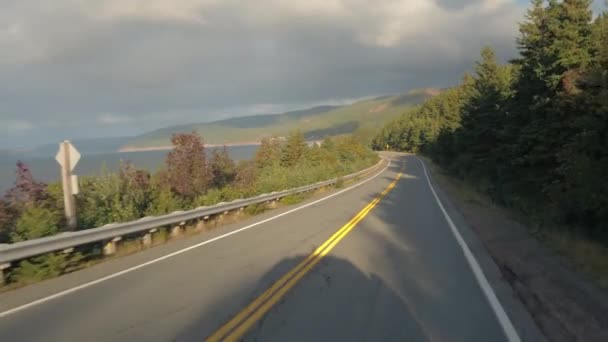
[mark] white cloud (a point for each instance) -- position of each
(35, 33)
(15, 127)
(70, 60)
(154, 10)
(113, 119)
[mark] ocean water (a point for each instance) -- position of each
(47, 170)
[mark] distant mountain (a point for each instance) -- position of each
(315, 123)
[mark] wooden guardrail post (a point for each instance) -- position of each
(239, 212)
(110, 247)
(200, 225)
(3, 277)
(177, 230)
(146, 240)
(221, 217)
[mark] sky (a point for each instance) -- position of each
(73, 69)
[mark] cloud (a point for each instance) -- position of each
(153, 10)
(158, 62)
(15, 127)
(113, 119)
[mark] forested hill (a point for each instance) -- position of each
(533, 133)
(363, 117)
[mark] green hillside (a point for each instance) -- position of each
(316, 123)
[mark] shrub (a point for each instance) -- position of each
(223, 168)
(45, 266)
(164, 202)
(35, 222)
(7, 216)
(187, 169)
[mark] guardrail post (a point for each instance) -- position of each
(110, 247)
(273, 204)
(221, 217)
(146, 240)
(200, 225)
(3, 278)
(177, 230)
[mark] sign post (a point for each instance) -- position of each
(68, 157)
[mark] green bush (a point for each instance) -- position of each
(35, 222)
(255, 209)
(165, 202)
(38, 222)
(292, 199)
(44, 267)
(212, 197)
(35, 210)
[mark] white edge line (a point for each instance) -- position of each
(501, 315)
(131, 269)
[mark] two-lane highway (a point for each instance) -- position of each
(380, 261)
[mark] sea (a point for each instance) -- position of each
(46, 169)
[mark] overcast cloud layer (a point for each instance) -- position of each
(72, 69)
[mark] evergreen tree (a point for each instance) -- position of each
(35, 222)
(480, 139)
(268, 153)
(223, 169)
(555, 46)
(294, 149)
(582, 195)
(533, 134)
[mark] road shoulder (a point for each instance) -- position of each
(563, 304)
(521, 318)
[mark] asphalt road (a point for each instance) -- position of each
(399, 274)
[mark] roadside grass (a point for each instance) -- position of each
(588, 257)
(160, 237)
(463, 188)
(293, 199)
(255, 209)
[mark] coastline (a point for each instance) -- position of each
(128, 149)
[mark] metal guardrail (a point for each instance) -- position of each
(65, 241)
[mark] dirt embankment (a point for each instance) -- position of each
(565, 304)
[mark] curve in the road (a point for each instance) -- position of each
(234, 329)
(407, 272)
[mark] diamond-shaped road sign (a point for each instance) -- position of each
(74, 155)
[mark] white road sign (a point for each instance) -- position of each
(74, 155)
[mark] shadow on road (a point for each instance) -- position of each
(418, 254)
(336, 301)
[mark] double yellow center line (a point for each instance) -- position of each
(244, 320)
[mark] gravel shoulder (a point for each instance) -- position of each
(566, 305)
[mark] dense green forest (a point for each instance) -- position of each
(533, 133)
(190, 178)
